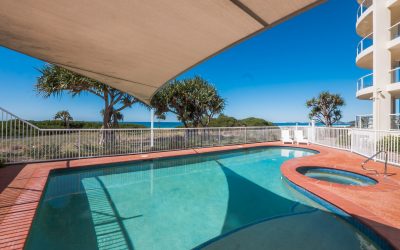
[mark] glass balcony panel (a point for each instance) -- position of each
(395, 31)
(395, 75)
(364, 121)
(364, 6)
(365, 82)
(365, 43)
(395, 121)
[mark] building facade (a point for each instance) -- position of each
(378, 25)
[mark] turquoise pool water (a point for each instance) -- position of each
(183, 203)
(337, 176)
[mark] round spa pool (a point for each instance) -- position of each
(336, 176)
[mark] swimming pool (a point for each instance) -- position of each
(207, 201)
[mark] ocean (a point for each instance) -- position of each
(177, 124)
(159, 124)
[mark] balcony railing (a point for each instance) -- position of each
(395, 31)
(365, 82)
(364, 121)
(365, 43)
(363, 7)
(395, 75)
(395, 121)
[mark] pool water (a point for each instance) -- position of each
(234, 200)
(337, 176)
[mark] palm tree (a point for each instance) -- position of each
(326, 108)
(64, 116)
(193, 100)
(116, 116)
(56, 81)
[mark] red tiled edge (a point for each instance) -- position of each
(24, 185)
(373, 205)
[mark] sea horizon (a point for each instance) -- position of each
(177, 124)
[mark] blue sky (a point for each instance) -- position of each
(269, 76)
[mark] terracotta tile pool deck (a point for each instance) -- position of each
(377, 206)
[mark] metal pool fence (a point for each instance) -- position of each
(21, 141)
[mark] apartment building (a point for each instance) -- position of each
(378, 25)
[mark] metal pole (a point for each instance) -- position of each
(152, 127)
(219, 136)
(79, 144)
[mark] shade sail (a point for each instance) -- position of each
(135, 45)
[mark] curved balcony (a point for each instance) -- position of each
(364, 25)
(365, 53)
(365, 87)
(394, 43)
(394, 87)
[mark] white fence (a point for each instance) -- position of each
(21, 141)
(365, 142)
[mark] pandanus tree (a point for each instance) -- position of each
(64, 116)
(115, 117)
(326, 108)
(193, 100)
(55, 81)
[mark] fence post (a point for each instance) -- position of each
(265, 133)
(313, 131)
(351, 140)
(375, 144)
(245, 135)
(152, 128)
(141, 141)
(79, 144)
(219, 136)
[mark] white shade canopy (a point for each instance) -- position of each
(135, 45)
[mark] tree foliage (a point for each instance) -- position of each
(55, 81)
(228, 121)
(64, 116)
(326, 108)
(253, 121)
(193, 100)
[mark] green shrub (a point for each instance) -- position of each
(389, 143)
(46, 151)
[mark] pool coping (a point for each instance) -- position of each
(20, 198)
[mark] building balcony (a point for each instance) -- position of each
(392, 3)
(364, 57)
(364, 121)
(394, 43)
(364, 25)
(365, 87)
(394, 87)
(395, 121)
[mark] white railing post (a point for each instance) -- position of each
(245, 135)
(141, 140)
(152, 128)
(352, 131)
(313, 132)
(79, 144)
(219, 136)
(374, 150)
